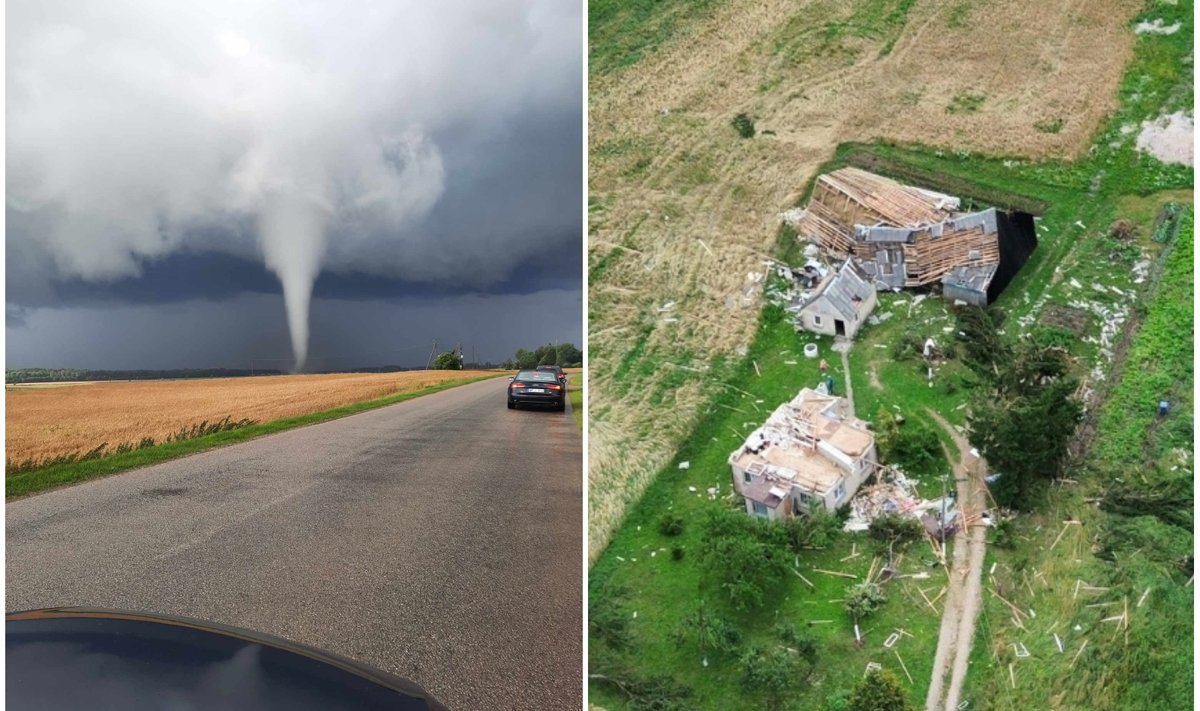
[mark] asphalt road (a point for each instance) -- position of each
(439, 539)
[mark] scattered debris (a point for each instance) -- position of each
(1156, 28)
(685, 465)
(1170, 138)
(903, 666)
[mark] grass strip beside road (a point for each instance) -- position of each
(39, 480)
(575, 397)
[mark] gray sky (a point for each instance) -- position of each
(175, 169)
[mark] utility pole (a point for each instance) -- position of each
(432, 354)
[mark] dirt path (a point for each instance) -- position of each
(843, 348)
(965, 594)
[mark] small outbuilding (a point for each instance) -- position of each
(840, 304)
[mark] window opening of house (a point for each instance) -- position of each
(760, 509)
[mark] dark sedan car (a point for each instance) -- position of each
(537, 387)
(557, 370)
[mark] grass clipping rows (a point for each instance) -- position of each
(682, 208)
(45, 423)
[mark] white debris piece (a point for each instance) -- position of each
(685, 465)
(1075, 283)
(793, 216)
(691, 488)
(1156, 28)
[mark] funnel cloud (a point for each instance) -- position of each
(411, 147)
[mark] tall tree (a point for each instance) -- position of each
(1023, 421)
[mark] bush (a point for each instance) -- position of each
(744, 125)
(1004, 534)
(805, 646)
(864, 599)
(708, 631)
(909, 346)
(896, 529)
(817, 530)
(671, 525)
(608, 620)
(677, 553)
(913, 446)
(879, 691)
(773, 673)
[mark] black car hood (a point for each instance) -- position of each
(77, 658)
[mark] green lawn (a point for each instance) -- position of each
(575, 397)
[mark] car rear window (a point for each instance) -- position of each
(537, 376)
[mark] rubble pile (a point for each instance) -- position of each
(898, 495)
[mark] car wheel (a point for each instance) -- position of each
(512, 405)
(562, 405)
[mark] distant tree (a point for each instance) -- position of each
(447, 361)
(569, 356)
(879, 691)
(526, 360)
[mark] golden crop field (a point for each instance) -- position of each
(45, 422)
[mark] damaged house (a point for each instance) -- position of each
(840, 304)
(905, 237)
(811, 453)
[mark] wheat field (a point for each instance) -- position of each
(46, 422)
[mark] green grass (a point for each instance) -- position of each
(661, 590)
(1128, 555)
(575, 397)
(622, 32)
(38, 480)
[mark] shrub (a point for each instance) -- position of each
(816, 530)
(671, 525)
(864, 599)
(608, 620)
(708, 631)
(896, 529)
(744, 125)
(879, 691)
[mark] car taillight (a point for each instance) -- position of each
(554, 387)
(518, 385)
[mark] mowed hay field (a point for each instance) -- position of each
(683, 212)
(47, 422)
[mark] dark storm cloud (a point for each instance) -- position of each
(165, 153)
(249, 331)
